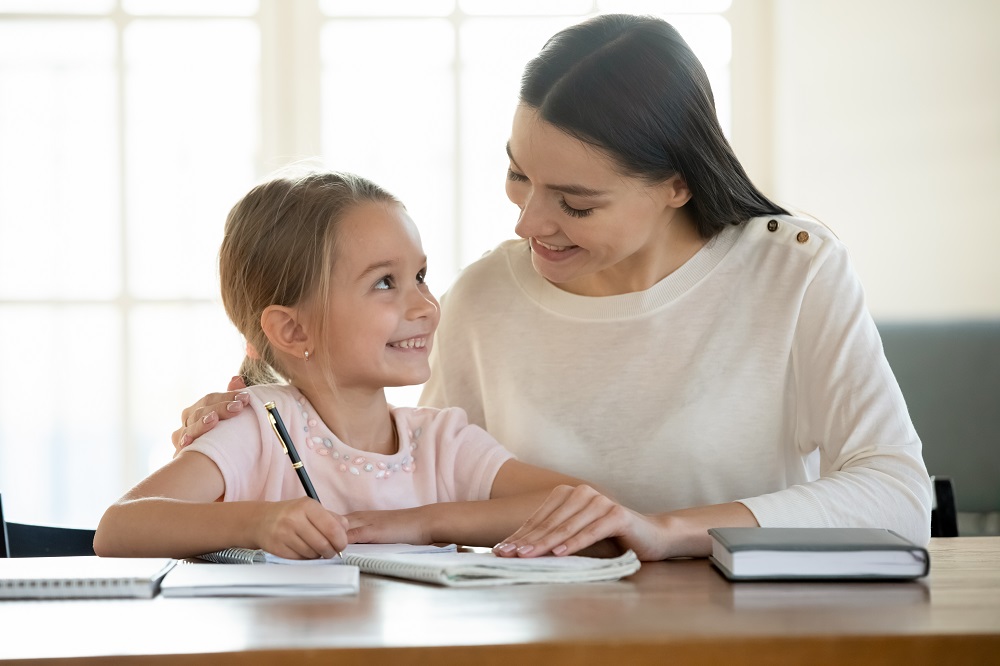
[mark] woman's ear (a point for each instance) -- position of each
(675, 191)
(285, 330)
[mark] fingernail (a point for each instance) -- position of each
(234, 406)
(524, 550)
(243, 397)
(235, 377)
(210, 417)
(559, 550)
(505, 547)
(185, 440)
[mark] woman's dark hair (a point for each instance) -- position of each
(632, 87)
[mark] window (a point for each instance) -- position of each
(129, 127)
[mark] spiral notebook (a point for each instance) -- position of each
(478, 569)
(259, 556)
(82, 577)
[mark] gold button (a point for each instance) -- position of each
(772, 225)
(802, 236)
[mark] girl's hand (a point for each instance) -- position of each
(573, 518)
(202, 416)
(391, 526)
(300, 529)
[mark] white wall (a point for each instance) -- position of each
(882, 118)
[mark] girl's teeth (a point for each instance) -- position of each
(410, 344)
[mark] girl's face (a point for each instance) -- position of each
(381, 315)
(592, 230)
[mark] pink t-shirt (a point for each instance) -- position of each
(441, 458)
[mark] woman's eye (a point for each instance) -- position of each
(422, 276)
(384, 283)
(515, 176)
(574, 212)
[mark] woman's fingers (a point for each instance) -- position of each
(203, 415)
(236, 384)
(570, 519)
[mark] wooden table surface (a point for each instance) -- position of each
(680, 612)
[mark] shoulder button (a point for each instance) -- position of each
(772, 225)
(802, 236)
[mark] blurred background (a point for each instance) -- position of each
(128, 128)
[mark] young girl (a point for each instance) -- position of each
(324, 276)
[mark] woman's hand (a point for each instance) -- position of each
(202, 416)
(573, 518)
(301, 529)
(391, 526)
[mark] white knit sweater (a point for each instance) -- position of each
(752, 373)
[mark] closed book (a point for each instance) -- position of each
(818, 553)
(201, 579)
(83, 577)
(478, 569)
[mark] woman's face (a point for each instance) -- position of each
(592, 230)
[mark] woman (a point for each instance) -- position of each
(662, 329)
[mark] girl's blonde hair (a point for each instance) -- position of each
(278, 249)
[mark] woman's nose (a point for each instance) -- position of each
(533, 221)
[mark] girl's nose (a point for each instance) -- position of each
(422, 304)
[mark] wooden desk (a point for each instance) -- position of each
(679, 612)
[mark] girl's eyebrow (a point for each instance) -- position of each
(385, 265)
(576, 190)
(377, 267)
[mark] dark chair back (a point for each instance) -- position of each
(24, 540)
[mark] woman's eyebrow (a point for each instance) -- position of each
(576, 190)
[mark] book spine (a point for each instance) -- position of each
(374, 565)
(234, 556)
(81, 588)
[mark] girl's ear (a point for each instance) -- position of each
(285, 330)
(675, 191)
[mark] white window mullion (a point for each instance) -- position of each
(290, 83)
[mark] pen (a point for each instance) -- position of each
(286, 443)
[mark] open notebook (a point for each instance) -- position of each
(462, 569)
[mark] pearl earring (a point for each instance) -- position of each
(307, 355)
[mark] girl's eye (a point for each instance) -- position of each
(384, 283)
(574, 212)
(422, 276)
(515, 176)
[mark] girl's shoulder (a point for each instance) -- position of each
(284, 396)
(437, 423)
(427, 416)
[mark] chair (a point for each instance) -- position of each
(25, 540)
(949, 372)
(944, 517)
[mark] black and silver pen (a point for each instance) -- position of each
(286, 443)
